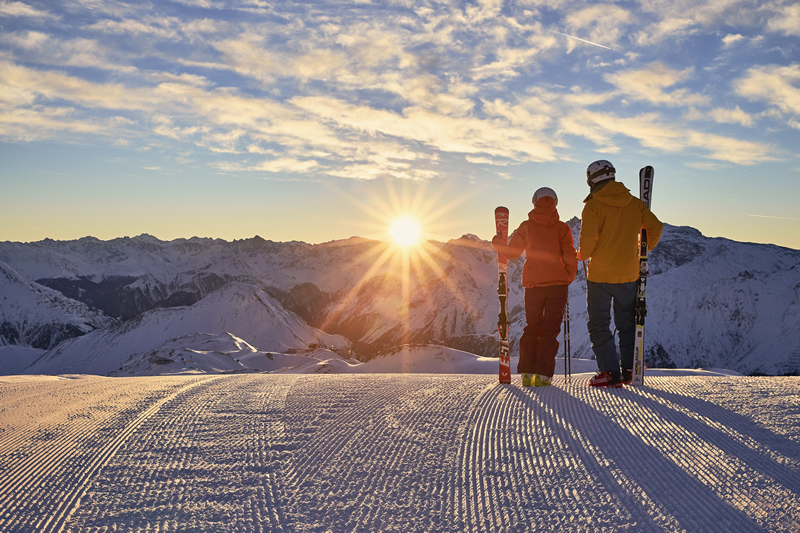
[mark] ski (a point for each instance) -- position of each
(567, 348)
(501, 225)
(645, 195)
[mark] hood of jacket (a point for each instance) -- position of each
(612, 193)
(544, 212)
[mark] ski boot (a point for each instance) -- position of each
(627, 376)
(609, 380)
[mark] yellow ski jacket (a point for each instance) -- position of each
(610, 225)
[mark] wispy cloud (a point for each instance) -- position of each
(378, 90)
(159, 28)
(778, 86)
(602, 23)
(681, 18)
(732, 116)
(45, 123)
(786, 20)
(19, 9)
(650, 84)
(49, 50)
(651, 132)
(662, 30)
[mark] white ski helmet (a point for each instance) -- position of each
(545, 191)
(600, 171)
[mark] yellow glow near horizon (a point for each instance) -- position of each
(405, 231)
(405, 254)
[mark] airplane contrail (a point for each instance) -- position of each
(582, 40)
(778, 218)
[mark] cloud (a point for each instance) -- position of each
(483, 10)
(207, 4)
(529, 44)
(468, 135)
(19, 9)
(53, 85)
(775, 85)
(373, 91)
(651, 132)
(603, 24)
(42, 123)
(649, 85)
(709, 166)
(786, 20)
(487, 161)
(531, 113)
(360, 59)
(219, 120)
(248, 56)
(679, 18)
(658, 32)
(49, 50)
(287, 165)
(732, 116)
(158, 28)
(729, 40)
(31, 40)
(729, 149)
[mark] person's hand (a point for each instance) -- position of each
(498, 240)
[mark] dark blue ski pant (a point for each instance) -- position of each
(600, 298)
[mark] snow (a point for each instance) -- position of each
(715, 302)
(14, 358)
(213, 328)
(690, 451)
(233, 414)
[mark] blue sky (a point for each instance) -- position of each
(317, 121)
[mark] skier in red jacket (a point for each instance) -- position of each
(550, 266)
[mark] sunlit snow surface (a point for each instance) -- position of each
(690, 451)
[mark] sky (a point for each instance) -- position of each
(318, 121)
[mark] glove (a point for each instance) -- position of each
(497, 242)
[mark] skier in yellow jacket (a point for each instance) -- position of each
(611, 222)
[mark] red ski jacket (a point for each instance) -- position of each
(550, 257)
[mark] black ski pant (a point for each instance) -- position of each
(538, 346)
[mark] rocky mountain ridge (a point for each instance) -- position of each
(712, 302)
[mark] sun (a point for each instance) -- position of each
(404, 248)
(405, 231)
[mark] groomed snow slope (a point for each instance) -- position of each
(397, 452)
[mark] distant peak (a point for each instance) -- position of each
(146, 237)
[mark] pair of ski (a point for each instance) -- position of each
(503, 322)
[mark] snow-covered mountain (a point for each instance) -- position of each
(712, 302)
(237, 311)
(35, 316)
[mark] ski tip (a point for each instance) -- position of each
(646, 171)
(501, 209)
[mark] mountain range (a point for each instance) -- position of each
(92, 306)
